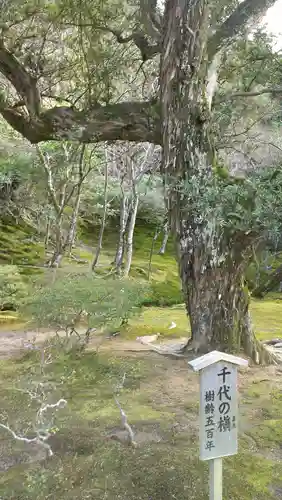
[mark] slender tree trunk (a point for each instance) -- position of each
(58, 253)
(47, 235)
(124, 215)
(70, 239)
(154, 239)
(103, 223)
(56, 259)
(165, 239)
(211, 283)
(131, 227)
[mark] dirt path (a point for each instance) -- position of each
(15, 342)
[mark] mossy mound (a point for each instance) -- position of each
(13, 290)
(19, 246)
(164, 293)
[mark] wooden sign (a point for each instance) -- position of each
(218, 412)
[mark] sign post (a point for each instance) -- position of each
(218, 412)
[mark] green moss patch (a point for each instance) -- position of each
(267, 318)
(19, 246)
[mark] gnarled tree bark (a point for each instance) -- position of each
(210, 262)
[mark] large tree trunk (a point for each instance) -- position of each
(217, 303)
(131, 227)
(211, 282)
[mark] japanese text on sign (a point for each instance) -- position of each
(218, 413)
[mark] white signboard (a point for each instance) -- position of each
(218, 411)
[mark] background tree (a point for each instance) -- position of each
(131, 165)
(65, 169)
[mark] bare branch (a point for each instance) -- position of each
(124, 421)
(255, 93)
(40, 414)
(126, 425)
(146, 48)
(39, 439)
(247, 12)
(41, 436)
(148, 51)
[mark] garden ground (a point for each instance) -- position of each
(160, 397)
(92, 459)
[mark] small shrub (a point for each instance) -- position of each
(13, 290)
(84, 299)
(258, 274)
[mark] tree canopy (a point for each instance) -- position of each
(88, 71)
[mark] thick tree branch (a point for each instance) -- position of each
(126, 121)
(22, 81)
(130, 121)
(247, 12)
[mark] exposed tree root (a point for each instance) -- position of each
(259, 353)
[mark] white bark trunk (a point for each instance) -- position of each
(59, 243)
(165, 240)
(131, 227)
(103, 223)
(155, 237)
(124, 215)
(73, 224)
(47, 235)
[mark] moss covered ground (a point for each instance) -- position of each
(160, 398)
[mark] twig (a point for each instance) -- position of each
(39, 439)
(60, 404)
(124, 420)
(42, 429)
(126, 425)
